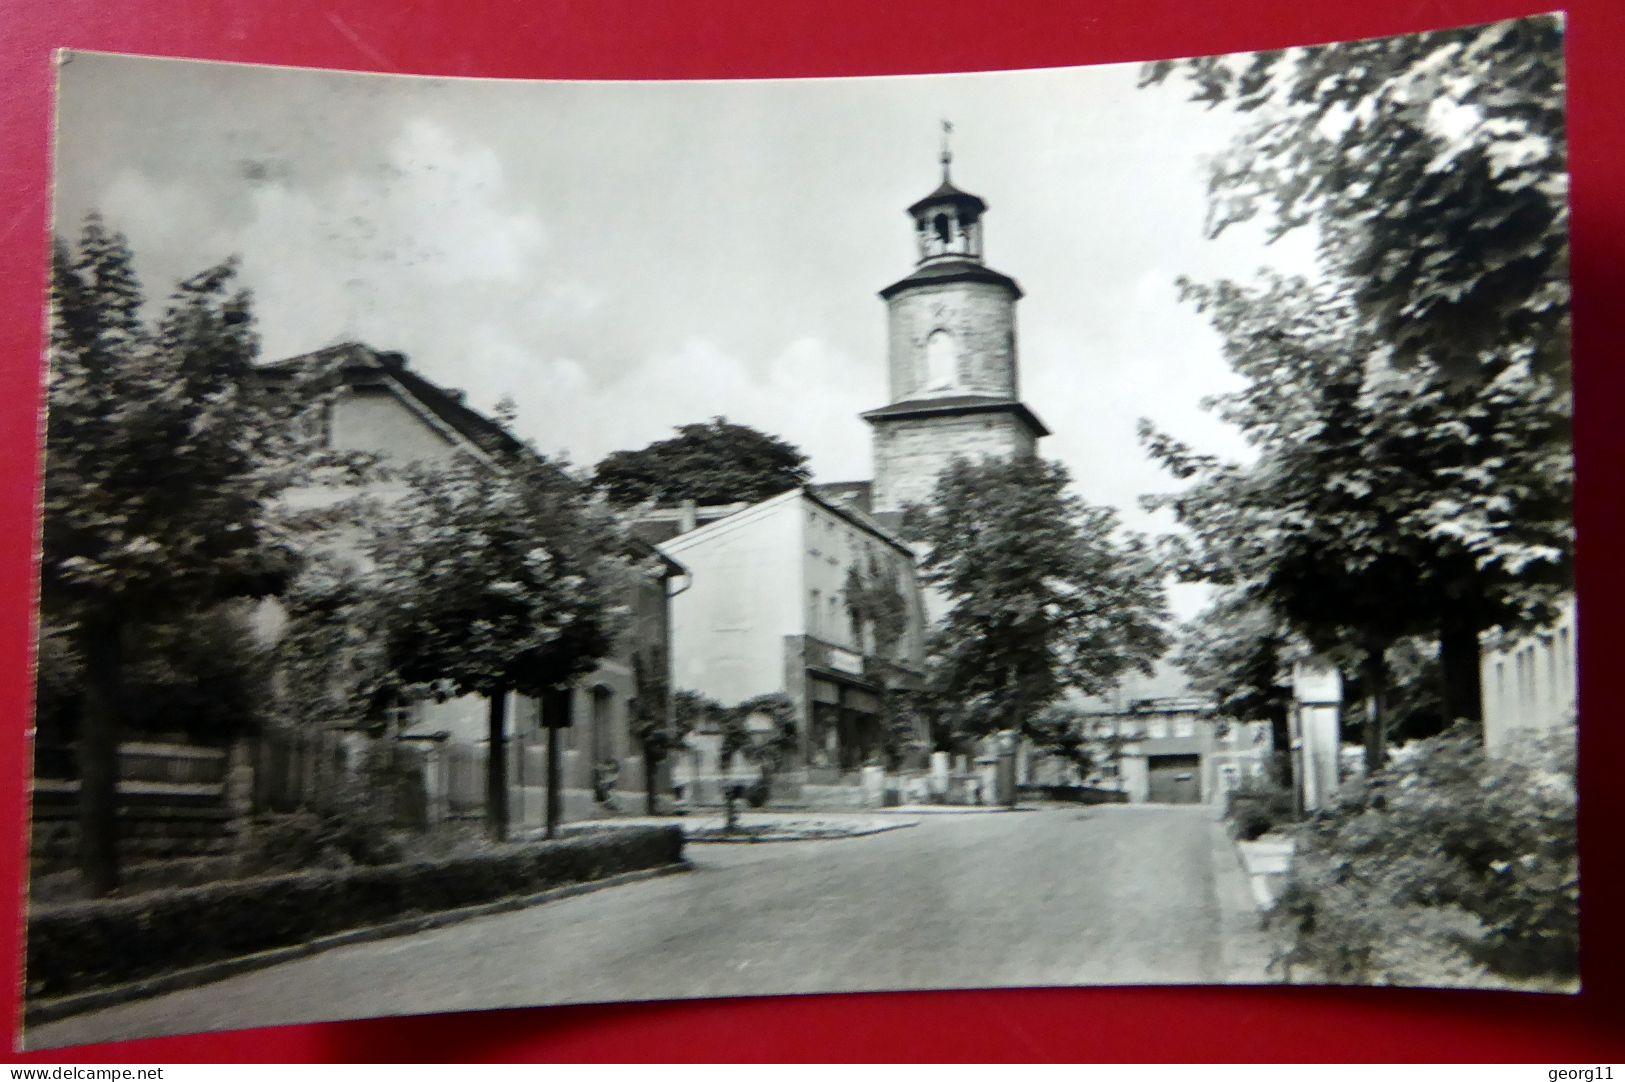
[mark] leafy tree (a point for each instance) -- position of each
(877, 605)
(204, 674)
(651, 720)
(1432, 169)
(1306, 530)
(710, 463)
(1044, 595)
(332, 654)
(1240, 654)
(1060, 732)
(493, 581)
(879, 610)
(200, 674)
(693, 711)
(931, 707)
(1383, 503)
(158, 482)
(770, 749)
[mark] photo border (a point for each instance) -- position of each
(770, 38)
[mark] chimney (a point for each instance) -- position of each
(687, 517)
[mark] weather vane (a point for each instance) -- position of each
(947, 154)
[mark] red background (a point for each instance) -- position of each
(586, 39)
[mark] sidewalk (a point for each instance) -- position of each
(1267, 861)
(762, 826)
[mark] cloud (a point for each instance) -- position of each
(399, 250)
(807, 393)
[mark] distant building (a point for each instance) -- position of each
(767, 613)
(374, 402)
(1163, 751)
(1530, 685)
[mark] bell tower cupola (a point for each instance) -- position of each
(948, 222)
(951, 353)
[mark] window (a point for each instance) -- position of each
(941, 360)
(1185, 726)
(834, 616)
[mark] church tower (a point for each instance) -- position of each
(951, 345)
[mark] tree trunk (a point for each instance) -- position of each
(1281, 738)
(1374, 674)
(556, 708)
(650, 765)
(496, 768)
(1460, 695)
(99, 731)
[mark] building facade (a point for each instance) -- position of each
(373, 402)
(767, 612)
(951, 349)
(1161, 751)
(1530, 685)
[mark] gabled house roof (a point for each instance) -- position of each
(363, 368)
(851, 514)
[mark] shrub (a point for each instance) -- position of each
(286, 843)
(1257, 806)
(89, 944)
(356, 832)
(1451, 867)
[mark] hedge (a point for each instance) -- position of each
(91, 944)
(1452, 868)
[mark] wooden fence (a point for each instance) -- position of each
(328, 771)
(175, 799)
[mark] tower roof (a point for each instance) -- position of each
(947, 194)
(911, 409)
(951, 270)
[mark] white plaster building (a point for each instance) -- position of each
(1531, 685)
(767, 613)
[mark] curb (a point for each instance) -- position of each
(95, 999)
(1243, 956)
(768, 839)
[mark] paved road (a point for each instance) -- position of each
(1112, 895)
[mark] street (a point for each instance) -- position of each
(1075, 895)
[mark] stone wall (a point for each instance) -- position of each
(910, 453)
(982, 318)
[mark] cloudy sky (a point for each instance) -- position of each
(621, 258)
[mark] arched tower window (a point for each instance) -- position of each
(941, 360)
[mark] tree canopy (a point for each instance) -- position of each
(495, 580)
(1433, 168)
(709, 462)
(158, 475)
(1045, 594)
(160, 471)
(1240, 654)
(1411, 408)
(490, 579)
(1384, 502)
